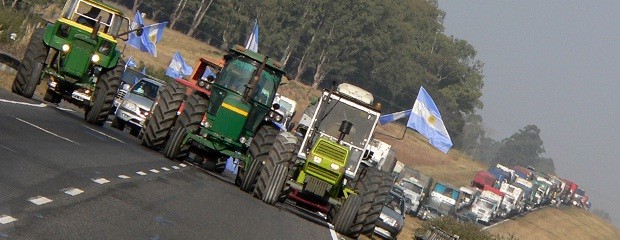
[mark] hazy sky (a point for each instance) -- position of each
(554, 64)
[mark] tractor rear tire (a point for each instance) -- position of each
(270, 183)
(259, 150)
(188, 122)
(29, 71)
(103, 97)
(373, 187)
(163, 116)
(345, 216)
(118, 123)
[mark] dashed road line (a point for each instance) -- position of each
(332, 232)
(165, 168)
(44, 130)
(73, 191)
(39, 200)
(182, 165)
(7, 148)
(101, 180)
(175, 167)
(64, 109)
(100, 132)
(141, 173)
(123, 176)
(4, 219)
(41, 105)
(154, 171)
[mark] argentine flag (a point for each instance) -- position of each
(425, 118)
(151, 35)
(252, 43)
(178, 68)
(388, 118)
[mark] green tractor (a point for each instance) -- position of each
(85, 67)
(232, 115)
(328, 166)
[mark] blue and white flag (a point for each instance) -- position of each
(131, 63)
(207, 73)
(425, 118)
(151, 35)
(177, 67)
(144, 70)
(388, 118)
(252, 43)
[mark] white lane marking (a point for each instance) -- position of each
(104, 134)
(73, 191)
(332, 232)
(64, 109)
(39, 200)
(175, 167)
(141, 173)
(101, 180)
(182, 165)
(495, 224)
(154, 171)
(41, 105)
(4, 219)
(7, 148)
(165, 168)
(123, 176)
(42, 129)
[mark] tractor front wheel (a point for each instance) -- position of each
(259, 150)
(188, 122)
(163, 116)
(103, 97)
(345, 216)
(373, 188)
(270, 183)
(29, 71)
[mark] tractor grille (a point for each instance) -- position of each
(316, 186)
(325, 173)
(334, 152)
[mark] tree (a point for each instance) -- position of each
(200, 13)
(178, 11)
(524, 148)
(602, 214)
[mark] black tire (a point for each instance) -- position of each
(134, 131)
(251, 173)
(52, 97)
(270, 182)
(188, 122)
(345, 216)
(157, 128)
(259, 149)
(118, 123)
(29, 71)
(373, 187)
(103, 97)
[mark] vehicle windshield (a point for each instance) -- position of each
(337, 111)
(237, 75)
(88, 14)
(395, 202)
(145, 89)
(411, 186)
(485, 203)
(285, 106)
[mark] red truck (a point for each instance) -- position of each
(569, 193)
(483, 178)
(523, 172)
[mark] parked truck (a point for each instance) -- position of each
(287, 108)
(513, 202)
(523, 172)
(85, 66)
(483, 178)
(468, 195)
(381, 155)
(487, 204)
(501, 176)
(325, 168)
(416, 185)
(511, 172)
(530, 189)
(568, 195)
(442, 202)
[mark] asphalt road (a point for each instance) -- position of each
(61, 178)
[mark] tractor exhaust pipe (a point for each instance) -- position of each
(345, 128)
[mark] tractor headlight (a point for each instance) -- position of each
(334, 166)
(317, 159)
(242, 139)
(105, 48)
(278, 118)
(95, 58)
(66, 48)
(126, 87)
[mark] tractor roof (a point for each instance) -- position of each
(258, 57)
(105, 6)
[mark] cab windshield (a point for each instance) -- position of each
(88, 14)
(145, 89)
(237, 75)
